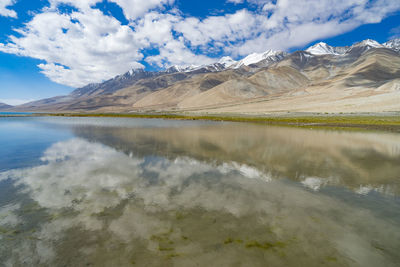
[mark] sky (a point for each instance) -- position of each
(50, 47)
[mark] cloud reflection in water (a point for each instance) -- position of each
(105, 208)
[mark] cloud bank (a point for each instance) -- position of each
(86, 45)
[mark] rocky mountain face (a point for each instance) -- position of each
(364, 76)
(393, 44)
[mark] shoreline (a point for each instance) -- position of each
(331, 121)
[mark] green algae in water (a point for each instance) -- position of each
(9, 232)
(165, 249)
(331, 259)
(265, 245)
(228, 241)
(172, 255)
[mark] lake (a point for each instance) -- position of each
(151, 192)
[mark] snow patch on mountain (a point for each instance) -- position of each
(186, 68)
(227, 61)
(322, 48)
(270, 56)
(393, 44)
(368, 43)
(257, 57)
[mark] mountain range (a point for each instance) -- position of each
(364, 77)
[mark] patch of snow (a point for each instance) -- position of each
(185, 68)
(257, 57)
(368, 43)
(227, 61)
(322, 48)
(393, 44)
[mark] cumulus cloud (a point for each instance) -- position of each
(87, 46)
(78, 48)
(137, 8)
(5, 11)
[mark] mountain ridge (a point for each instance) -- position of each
(255, 58)
(267, 76)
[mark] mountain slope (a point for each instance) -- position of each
(393, 44)
(263, 59)
(322, 78)
(322, 48)
(369, 84)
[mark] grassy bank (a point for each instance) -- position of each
(358, 121)
(333, 121)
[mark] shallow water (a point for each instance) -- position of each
(132, 192)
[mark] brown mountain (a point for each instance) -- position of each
(363, 77)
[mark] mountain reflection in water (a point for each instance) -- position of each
(217, 194)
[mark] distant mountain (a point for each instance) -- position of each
(361, 77)
(368, 43)
(227, 61)
(267, 57)
(393, 44)
(4, 106)
(359, 48)
(322, 48)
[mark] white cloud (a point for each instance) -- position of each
(235, 1)
(88, 46)
(137, 8)
(286, 24)
(78, 48)
(15, 102)
(5, 11)
(229, 28)
(81, 4)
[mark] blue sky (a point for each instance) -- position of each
(49, 47)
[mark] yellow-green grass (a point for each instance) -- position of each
(337, 121)
(350, 119)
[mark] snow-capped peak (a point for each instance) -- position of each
(176, 68)
(393, 44)
(368, 43)
(226, 62)
(322, 48)
(133, 71)
(254, 58)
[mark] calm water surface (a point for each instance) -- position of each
(131, 192)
